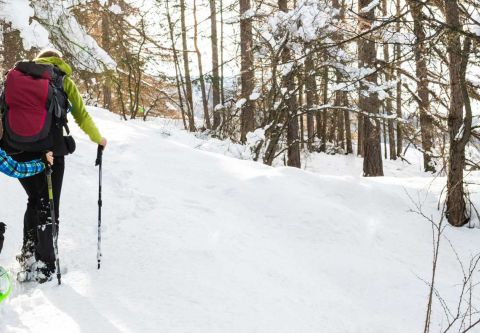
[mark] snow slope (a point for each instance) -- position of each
(196, 241)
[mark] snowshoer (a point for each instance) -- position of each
(37, 255)
(12, 168)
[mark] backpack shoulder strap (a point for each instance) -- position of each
(58, 79)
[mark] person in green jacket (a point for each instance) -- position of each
(37, 256)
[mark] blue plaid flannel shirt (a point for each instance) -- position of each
(16, 169)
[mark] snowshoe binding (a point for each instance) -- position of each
(38, 271)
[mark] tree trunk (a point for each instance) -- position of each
(360, 146)
(186, 65)
(215, 75)
(247, 70)
(178, 72)
(291, 104)
(339, 115)
(348, 130)
(332, 127)
(318, 113)
(372, 162)
(398, 95)
(389, 102)
(222, 76)
(206, 114)
(107, 86)
(456, 206)
(385, 150)
(310, 89)
(301, 118)
(324, 122)
(426, 120)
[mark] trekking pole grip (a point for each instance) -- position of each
(98, 161)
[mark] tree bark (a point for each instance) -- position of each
(324, 114)
(247, 70)
(360, 146)
(222, 63)
(389, 102)
(310, 89)
(348, 131)
(186, 65)
(301, 118)
(291, 104)
(107, 86)
(426, 119)
(178, 71)
(372, 162)
(319, 113)
(206, 114)
(398, 95)
(339, 115)
(215, 75)
(458, 127)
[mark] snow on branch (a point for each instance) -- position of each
(307, 21)
(18, 13)
(370, 6)
(47, 23)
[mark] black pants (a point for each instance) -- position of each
(37, 226)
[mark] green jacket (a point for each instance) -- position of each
(79, 112)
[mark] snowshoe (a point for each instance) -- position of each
(5, 284)
(38, 271)
(26, 276)
(26, 257)
(26, 261)
(45, 272)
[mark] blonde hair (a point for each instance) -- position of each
(46, 53)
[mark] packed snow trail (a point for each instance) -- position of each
(195, 241)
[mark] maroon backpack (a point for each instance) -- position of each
(34, 107)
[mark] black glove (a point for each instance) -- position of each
(45, 161)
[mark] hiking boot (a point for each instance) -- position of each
(44, 272)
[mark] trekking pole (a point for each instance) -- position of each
(54, 223)
(98, 163)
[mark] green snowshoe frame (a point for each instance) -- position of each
(5, 284)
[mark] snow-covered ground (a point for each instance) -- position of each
(195, 240)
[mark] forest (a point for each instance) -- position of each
(371, 78)
(283, 83)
